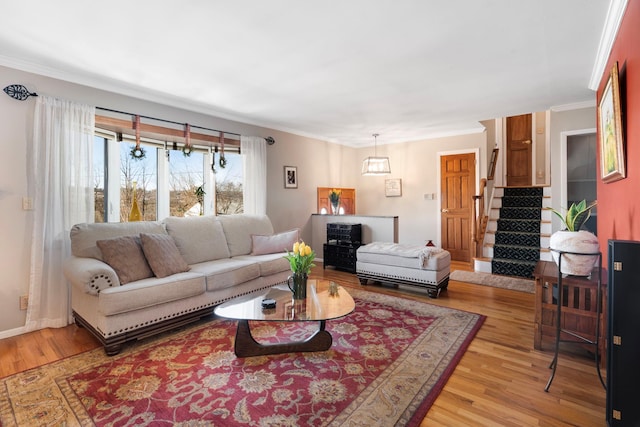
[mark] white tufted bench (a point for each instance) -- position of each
(404, 264)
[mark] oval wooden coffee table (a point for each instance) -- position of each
(325, 300)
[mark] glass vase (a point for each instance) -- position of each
(335, 207)
(297, 282)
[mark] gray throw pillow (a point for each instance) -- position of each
(124, 254)
(163, 255)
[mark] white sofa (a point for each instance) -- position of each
(132, 280)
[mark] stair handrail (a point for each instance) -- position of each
(478, 216)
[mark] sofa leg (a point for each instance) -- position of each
(363, 281)
(112, 349)
(433, 293)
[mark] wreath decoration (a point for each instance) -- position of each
(137, 153)
(186, 149)
(223, 160)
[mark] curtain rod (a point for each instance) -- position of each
(21, 93)
(166, 121)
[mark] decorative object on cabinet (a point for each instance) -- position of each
(334, 199)
(393, 187)
(347, 200)
(575, 241)
(623, 323)
(492, 164)
(290, 177)
(565, 328)
(343, 241)
(612, 158)
(376, 165)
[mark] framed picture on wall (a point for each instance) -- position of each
(393, 187)
(612, 158)
(290, 177)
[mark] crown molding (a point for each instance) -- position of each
(573, 106)
(609, 33)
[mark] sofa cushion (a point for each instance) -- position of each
(225, 273)
(239, 228)
(162, 254)
(150, 292)
(269, 263)
(124, 254)
(199, 238)
(275, 243)
(85, 236)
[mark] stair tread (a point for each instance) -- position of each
(515, 261)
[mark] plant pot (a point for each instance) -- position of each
(578, 242)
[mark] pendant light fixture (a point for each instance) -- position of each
(376, 165)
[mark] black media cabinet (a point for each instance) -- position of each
(343, 241)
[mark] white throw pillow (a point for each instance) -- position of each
(281, 242)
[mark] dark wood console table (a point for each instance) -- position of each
(580, 307)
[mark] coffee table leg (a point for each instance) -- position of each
(247, 346)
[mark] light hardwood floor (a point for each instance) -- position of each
(499, 381)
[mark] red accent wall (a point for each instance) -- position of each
(619, 202)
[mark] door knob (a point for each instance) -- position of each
(528, 141)
(445, 210)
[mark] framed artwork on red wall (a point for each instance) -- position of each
(612, 157)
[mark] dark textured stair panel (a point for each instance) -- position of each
(518, 253)
(520, 213)
(522, 201)
(522, 191)
(516, 250)
(513, 268)
(517, 239)
(519, 225)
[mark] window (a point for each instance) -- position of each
(167, 183)
(139, 179)
(186, 183)
(229, 185)
(99, 147)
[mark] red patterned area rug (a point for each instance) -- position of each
(389, 361)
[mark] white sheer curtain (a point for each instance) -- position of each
(60, 182)
(254, 166)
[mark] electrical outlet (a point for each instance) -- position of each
(24, 302)
(27, 203)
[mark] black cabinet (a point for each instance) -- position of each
(343, 241)
(339, 233)
(623, 338)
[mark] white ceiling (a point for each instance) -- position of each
(334, 69)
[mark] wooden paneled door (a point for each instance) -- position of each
(519, 151)
(457, 177)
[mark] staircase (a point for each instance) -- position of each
(517, 233)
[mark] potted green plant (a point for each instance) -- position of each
(574, 240)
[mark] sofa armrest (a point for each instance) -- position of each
(89, 274)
